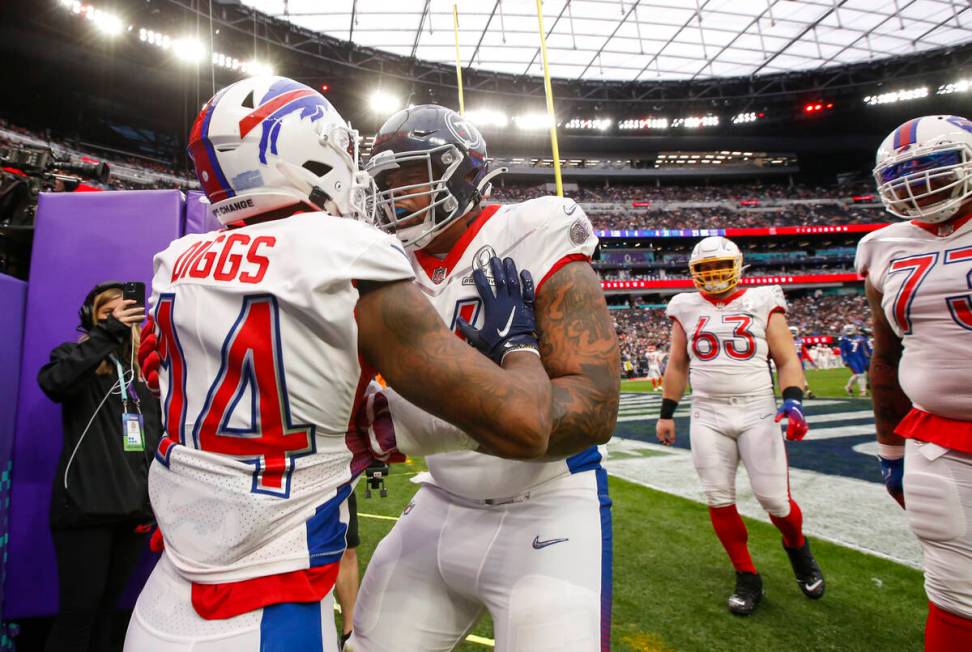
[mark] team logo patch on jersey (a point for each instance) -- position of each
(580, 231)
(481, 261)
(439, 274)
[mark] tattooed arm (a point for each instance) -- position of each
(579, 348)
(890, 402)
(506, 409)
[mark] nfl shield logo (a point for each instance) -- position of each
(438, 274)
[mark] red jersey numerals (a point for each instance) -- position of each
(170, 351)
(251, 364)
(742, 346)
(960, 305)
(467, 309)
(915, 269)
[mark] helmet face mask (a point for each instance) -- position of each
(451, 153)
(930, 179)
(421, 207)
(715, 265)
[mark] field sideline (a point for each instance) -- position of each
(671, 577)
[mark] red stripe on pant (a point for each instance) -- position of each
(731, 530)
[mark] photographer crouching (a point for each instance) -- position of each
(100, 513)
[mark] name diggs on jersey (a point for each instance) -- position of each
(227, 257)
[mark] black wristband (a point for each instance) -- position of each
(793, 393)
(668, 408)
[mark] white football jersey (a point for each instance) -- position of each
(726, 340)
(259, 385)
(927, 298)
(540, 235)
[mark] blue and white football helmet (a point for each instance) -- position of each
(924, 168)
(265, 143)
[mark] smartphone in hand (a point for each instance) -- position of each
(134, 290)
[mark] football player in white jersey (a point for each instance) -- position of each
(723, 336)
(268, 333)
(528, 541)
(918, 285)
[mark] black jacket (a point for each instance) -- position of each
(105, 483)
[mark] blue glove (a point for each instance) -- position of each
(893, 473)
(508, 321)
(796, 424)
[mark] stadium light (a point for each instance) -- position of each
(189, 49)
(897, 96)
(109, 24)
(256, 68)
(694, 122)
(384, 103)
(487, 118)
(532, 121)
(589, 124)
(746, 118)
(643, 123)
(960, 86)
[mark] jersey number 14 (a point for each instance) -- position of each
(250, 359)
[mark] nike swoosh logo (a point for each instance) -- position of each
(767, 416)
(814, 586)
(538, 544)
(509, 322)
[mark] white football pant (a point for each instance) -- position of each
(540, 565)
(938, 497)
(725, 431)
(164, 621)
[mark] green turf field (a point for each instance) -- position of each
(671, 580)
(825, 383)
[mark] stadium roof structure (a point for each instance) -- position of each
(638, 40)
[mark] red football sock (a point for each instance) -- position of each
(791, 526)
(731, 531)
(945, 631)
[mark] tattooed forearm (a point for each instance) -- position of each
(579, 348)
(507, 410)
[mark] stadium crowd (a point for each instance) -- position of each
(721, 218)
(513, 192)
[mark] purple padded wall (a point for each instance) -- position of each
(198, 218)
(13, 298)
(80, 240)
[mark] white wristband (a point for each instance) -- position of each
(890, 451)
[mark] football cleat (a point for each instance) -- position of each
(748, 594)
(806, 570)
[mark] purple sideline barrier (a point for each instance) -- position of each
(80, 240)
(198, 218)
(13, 299)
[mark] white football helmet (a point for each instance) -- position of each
(725, 277)
(265, 143)
(849, 330)
(924, 168)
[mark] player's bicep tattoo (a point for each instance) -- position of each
(579, 349)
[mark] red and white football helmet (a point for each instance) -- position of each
(924, 168)
(265, 143)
